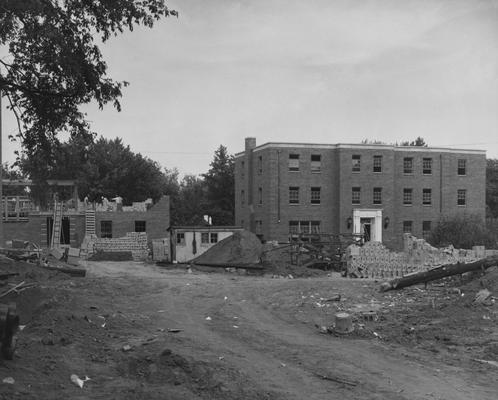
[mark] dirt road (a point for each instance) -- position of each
(145, 332)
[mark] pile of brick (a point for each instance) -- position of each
(374, 260)
(134, 242)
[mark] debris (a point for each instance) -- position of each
(493, 363)
(126, 348)
(12, 289)
(226, 298)
(174, 330)
(9, 380)
(77, 381)
(343, 323)
(335, 379)
(282, 364)
(336, 297)
(235, 326)
(482, 296)
(208, 318)
(221, 358)
(438, 273)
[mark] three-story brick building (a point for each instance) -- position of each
(382, 191)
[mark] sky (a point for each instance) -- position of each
(315, 71)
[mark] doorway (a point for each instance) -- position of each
(65, 230)
(366, 228)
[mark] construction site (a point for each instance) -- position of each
(319, 317)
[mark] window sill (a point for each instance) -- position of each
(408, 205)
(427, 205)
(294, 204)
(316, 204)
(427, 173)
(408, 173)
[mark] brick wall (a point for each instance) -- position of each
(336, 180)
(157, 220)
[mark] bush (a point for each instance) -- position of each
(464, 231)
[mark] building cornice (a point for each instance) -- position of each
(274, 145)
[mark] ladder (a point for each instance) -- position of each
(89, 221)
(56, 227)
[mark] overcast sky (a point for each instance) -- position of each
(315, 71)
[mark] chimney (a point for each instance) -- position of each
(250, 143)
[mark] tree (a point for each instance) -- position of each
(492, 188)
(190, 206)
(463, 231)
(105, 168)
(54, 66)
(419, 141)
(220, 185)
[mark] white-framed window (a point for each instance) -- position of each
(204, 238)
(213, 237)
(294, 162)
(316, 195)
(407, 196)
(426, 197)
(355, 195)
(427, 166)
(462, 166)
(316, 163)
(377, 163)
(426, 229)
(180, 239)
(356, 163)
(407, 226)
(293, 195)
(377, 195)
(461, 197)
(408, 165)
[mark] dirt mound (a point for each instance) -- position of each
(240, 248)
(277, 261)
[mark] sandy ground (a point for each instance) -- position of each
(139, 331)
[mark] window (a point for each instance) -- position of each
(204, 238)
(407, 226)
(355, 195)
(260, 165)
(140, 226)
(461, 197)
(242, 168)
(213, 237)
(259, 226)
(293, 227)
(462, 167)
(407, 196)
(377, 195)
(427, 166)
(426, 197)
(260, 196)
(293, 195)
(408, 165)
(293, 162)
(180, 239)
(242, 198)
(316, 163)
(315, 195)
(356, 160)
(377, 164)
(296, 227)
(106, 229)
(426, 229)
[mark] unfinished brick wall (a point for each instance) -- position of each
(374, 260)
(134, 242)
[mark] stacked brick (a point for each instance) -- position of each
(374, 260)
(134, 242)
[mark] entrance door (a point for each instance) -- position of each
(368, 222)
(366, 228)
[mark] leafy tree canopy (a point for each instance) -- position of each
(419, 141)
(54, 65)
(105, 168)
(220, 186)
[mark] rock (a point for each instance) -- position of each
(126, 348)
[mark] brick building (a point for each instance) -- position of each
(22, 220)
(382, 191)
